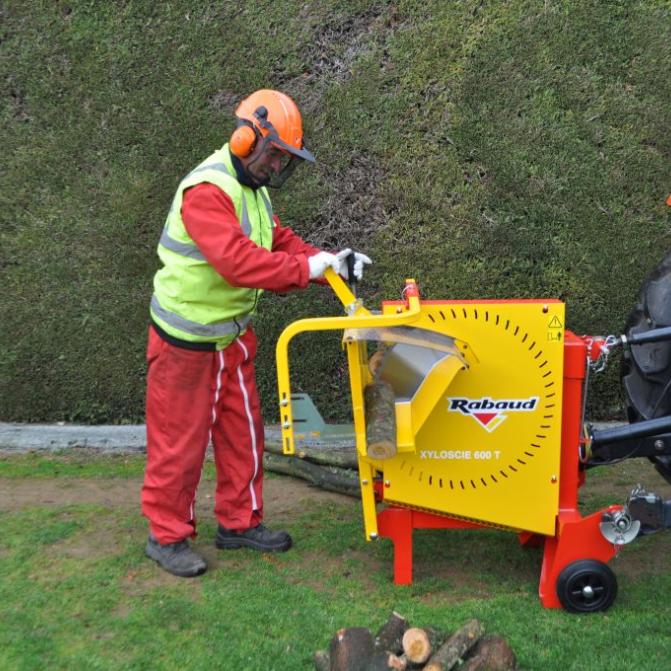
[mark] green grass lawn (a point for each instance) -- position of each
(76, 591)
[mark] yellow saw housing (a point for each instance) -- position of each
(480, 436)
(489, 449)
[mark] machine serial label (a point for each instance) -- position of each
(490, 413)
(466, 455)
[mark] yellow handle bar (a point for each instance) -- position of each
(359, 318)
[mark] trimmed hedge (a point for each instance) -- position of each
(500, 149)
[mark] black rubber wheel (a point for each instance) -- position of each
(646, 369)
(586, 586)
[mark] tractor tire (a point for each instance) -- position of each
(646, 369)
(586, 586)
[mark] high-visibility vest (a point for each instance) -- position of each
(191, 300)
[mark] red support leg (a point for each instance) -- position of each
(396, 524)
(529, 539)
(577, 538)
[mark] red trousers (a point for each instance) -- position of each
(194, 397)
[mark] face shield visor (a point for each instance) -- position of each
(287, 164)
(276, 161)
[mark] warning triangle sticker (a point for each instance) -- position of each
(555, 323)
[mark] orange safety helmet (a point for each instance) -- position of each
(273, 116)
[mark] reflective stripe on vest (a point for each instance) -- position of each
(182, 248)
(191, 250)
(219, 330)
(269, 207)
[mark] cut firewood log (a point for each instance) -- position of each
(492, 653)
(390, 635)
(375, 362)
(380, 402)
(322, 660)
(397, 663)
(383, 660)
(418, 644)
(436, 637)
(351, 649)
(456, 646)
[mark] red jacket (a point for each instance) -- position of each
(209, 217)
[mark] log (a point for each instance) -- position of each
(327, 477)
(380, 405)
(456, 646)
(436, 636)
(418, 644)
(351, 649)
(492, 653)
(383, 660)
(342, 458)
(322, 660)
(390, 635)
(375, 362)
(397, 663)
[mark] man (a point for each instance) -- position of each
(220, 248)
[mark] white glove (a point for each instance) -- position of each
(320, 262)
(359, 261)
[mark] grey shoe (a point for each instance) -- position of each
(176, 558)
(258, 538)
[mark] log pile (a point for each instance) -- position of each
(400, 647)
(330, 469)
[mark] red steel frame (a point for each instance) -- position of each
(576, 537)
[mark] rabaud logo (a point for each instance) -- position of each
(489, 413)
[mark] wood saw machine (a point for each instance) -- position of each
(486, 429)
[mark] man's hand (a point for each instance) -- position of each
(359, 261)
(320, 262)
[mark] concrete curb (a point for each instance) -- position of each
(105, 438)
(53, 437)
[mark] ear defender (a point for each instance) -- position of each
(246, 135)
(243, 139)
